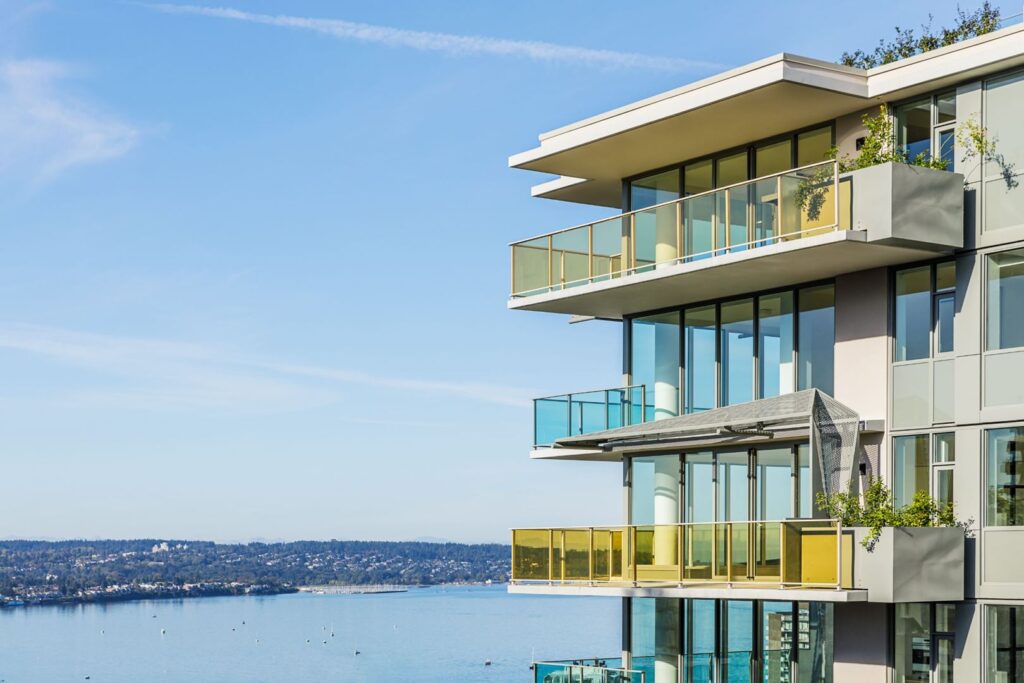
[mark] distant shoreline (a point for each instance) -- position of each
(183, 593)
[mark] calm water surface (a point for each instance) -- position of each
(425, 635)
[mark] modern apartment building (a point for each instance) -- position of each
(791, 328)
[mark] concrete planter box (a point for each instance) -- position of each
(911, 565)
(910, 206)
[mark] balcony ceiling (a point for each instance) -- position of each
(769, 97)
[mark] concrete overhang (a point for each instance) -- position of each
(777, 265)
(704, 591)
(772, 96)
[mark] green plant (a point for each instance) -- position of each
(879, 147)
(983, 20)
(877, 511)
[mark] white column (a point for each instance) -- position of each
(665, 234)
(666, 611)
(666, 371)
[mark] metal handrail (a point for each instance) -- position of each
(680, 200)
(592, 391)
(601, 527)
(626, 257)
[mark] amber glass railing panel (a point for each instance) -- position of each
(767, 547)
(531, 554)
(576, 554)
(657, 553)
(805, 553)
(756, 213)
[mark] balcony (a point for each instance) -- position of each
(780, 554)
(805, 224)
(608, 670)
(586, 412)
(797, 559)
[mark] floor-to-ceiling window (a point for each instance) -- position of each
(775, 344)
(1005, 305)
(701, 364)
(817, 338)
(737, 337)
(654, 362)
(736, 350)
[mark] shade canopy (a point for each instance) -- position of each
(831, 428)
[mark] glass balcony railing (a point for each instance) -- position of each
(777, 208)
(792, 553)
(588, 671)
(585, 412)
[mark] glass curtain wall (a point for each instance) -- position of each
(817, 338)
(655, 229)
(701, 326)
(913, 313)
(654, 362)
(735, 351)
(737, 354)
(775, 344)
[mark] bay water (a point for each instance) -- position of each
(424, 635)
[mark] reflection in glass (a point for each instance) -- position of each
(944, 306)
(697, 177)
(1005, 640)
(773, 157)
(1005, 485)
(654, 362)
(817, 338)
(1005, 308)
(737, 352)
(774, 494)
(775, 344)
(945, 107)
(699, 488)
(699, 343)
(914, 127)
(654, 189)
(913, 313)
(912, 643)
(737, 626)
(813, 146)
(910, 467)
(814, 653)
(777, 634)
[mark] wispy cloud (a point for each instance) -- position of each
(448, 43)
(158, 374)
(45, 130)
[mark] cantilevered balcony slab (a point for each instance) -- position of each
(885, 215)
(710, 592)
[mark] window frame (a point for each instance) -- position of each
(717, 304)
(934, 126)
(936, 294)
(749, 148)
(931, 437)
(985, 482)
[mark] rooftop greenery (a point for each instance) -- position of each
(908, 43)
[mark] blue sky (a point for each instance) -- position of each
(253, 265)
